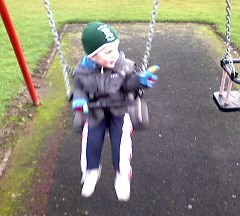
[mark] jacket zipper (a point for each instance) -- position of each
(102, 81)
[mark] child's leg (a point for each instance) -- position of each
(92, 143)
(120, 135)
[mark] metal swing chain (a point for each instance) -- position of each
(150, 36)
(66, 69)
(228, 36)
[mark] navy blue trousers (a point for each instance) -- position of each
(95, 140)
(120, 130)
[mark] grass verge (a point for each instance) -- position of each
(27, 151)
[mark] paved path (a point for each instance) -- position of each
(188, 162)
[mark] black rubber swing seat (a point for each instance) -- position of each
(233, 103)
(137, 109)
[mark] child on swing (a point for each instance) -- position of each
(105, 74)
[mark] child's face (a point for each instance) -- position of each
(107, 57)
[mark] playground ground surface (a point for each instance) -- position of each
(186, 163)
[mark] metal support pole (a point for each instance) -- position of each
(18, 51)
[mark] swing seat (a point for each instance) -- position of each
(233, 103)
(136, 107)
(138, 112)
(79, 121)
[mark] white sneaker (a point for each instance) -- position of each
(90, 181)
(122, 187)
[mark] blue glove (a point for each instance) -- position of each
(147, 78)
(80, 104)
(88, 63)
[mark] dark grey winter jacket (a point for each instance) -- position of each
(111, 85)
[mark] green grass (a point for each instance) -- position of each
(26, 157)
(34, 148)
(31, 23)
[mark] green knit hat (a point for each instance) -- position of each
(96, 36)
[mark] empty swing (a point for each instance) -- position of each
(228, 100)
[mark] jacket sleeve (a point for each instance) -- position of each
(78, 89)
(131, 83)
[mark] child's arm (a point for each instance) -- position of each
(80, 98)
(79, 106)
(145, 79)
(134, 81)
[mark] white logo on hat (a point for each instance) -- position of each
(107, 32)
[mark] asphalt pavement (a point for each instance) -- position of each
(188, 161)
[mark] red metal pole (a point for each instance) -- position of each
(18, 51)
